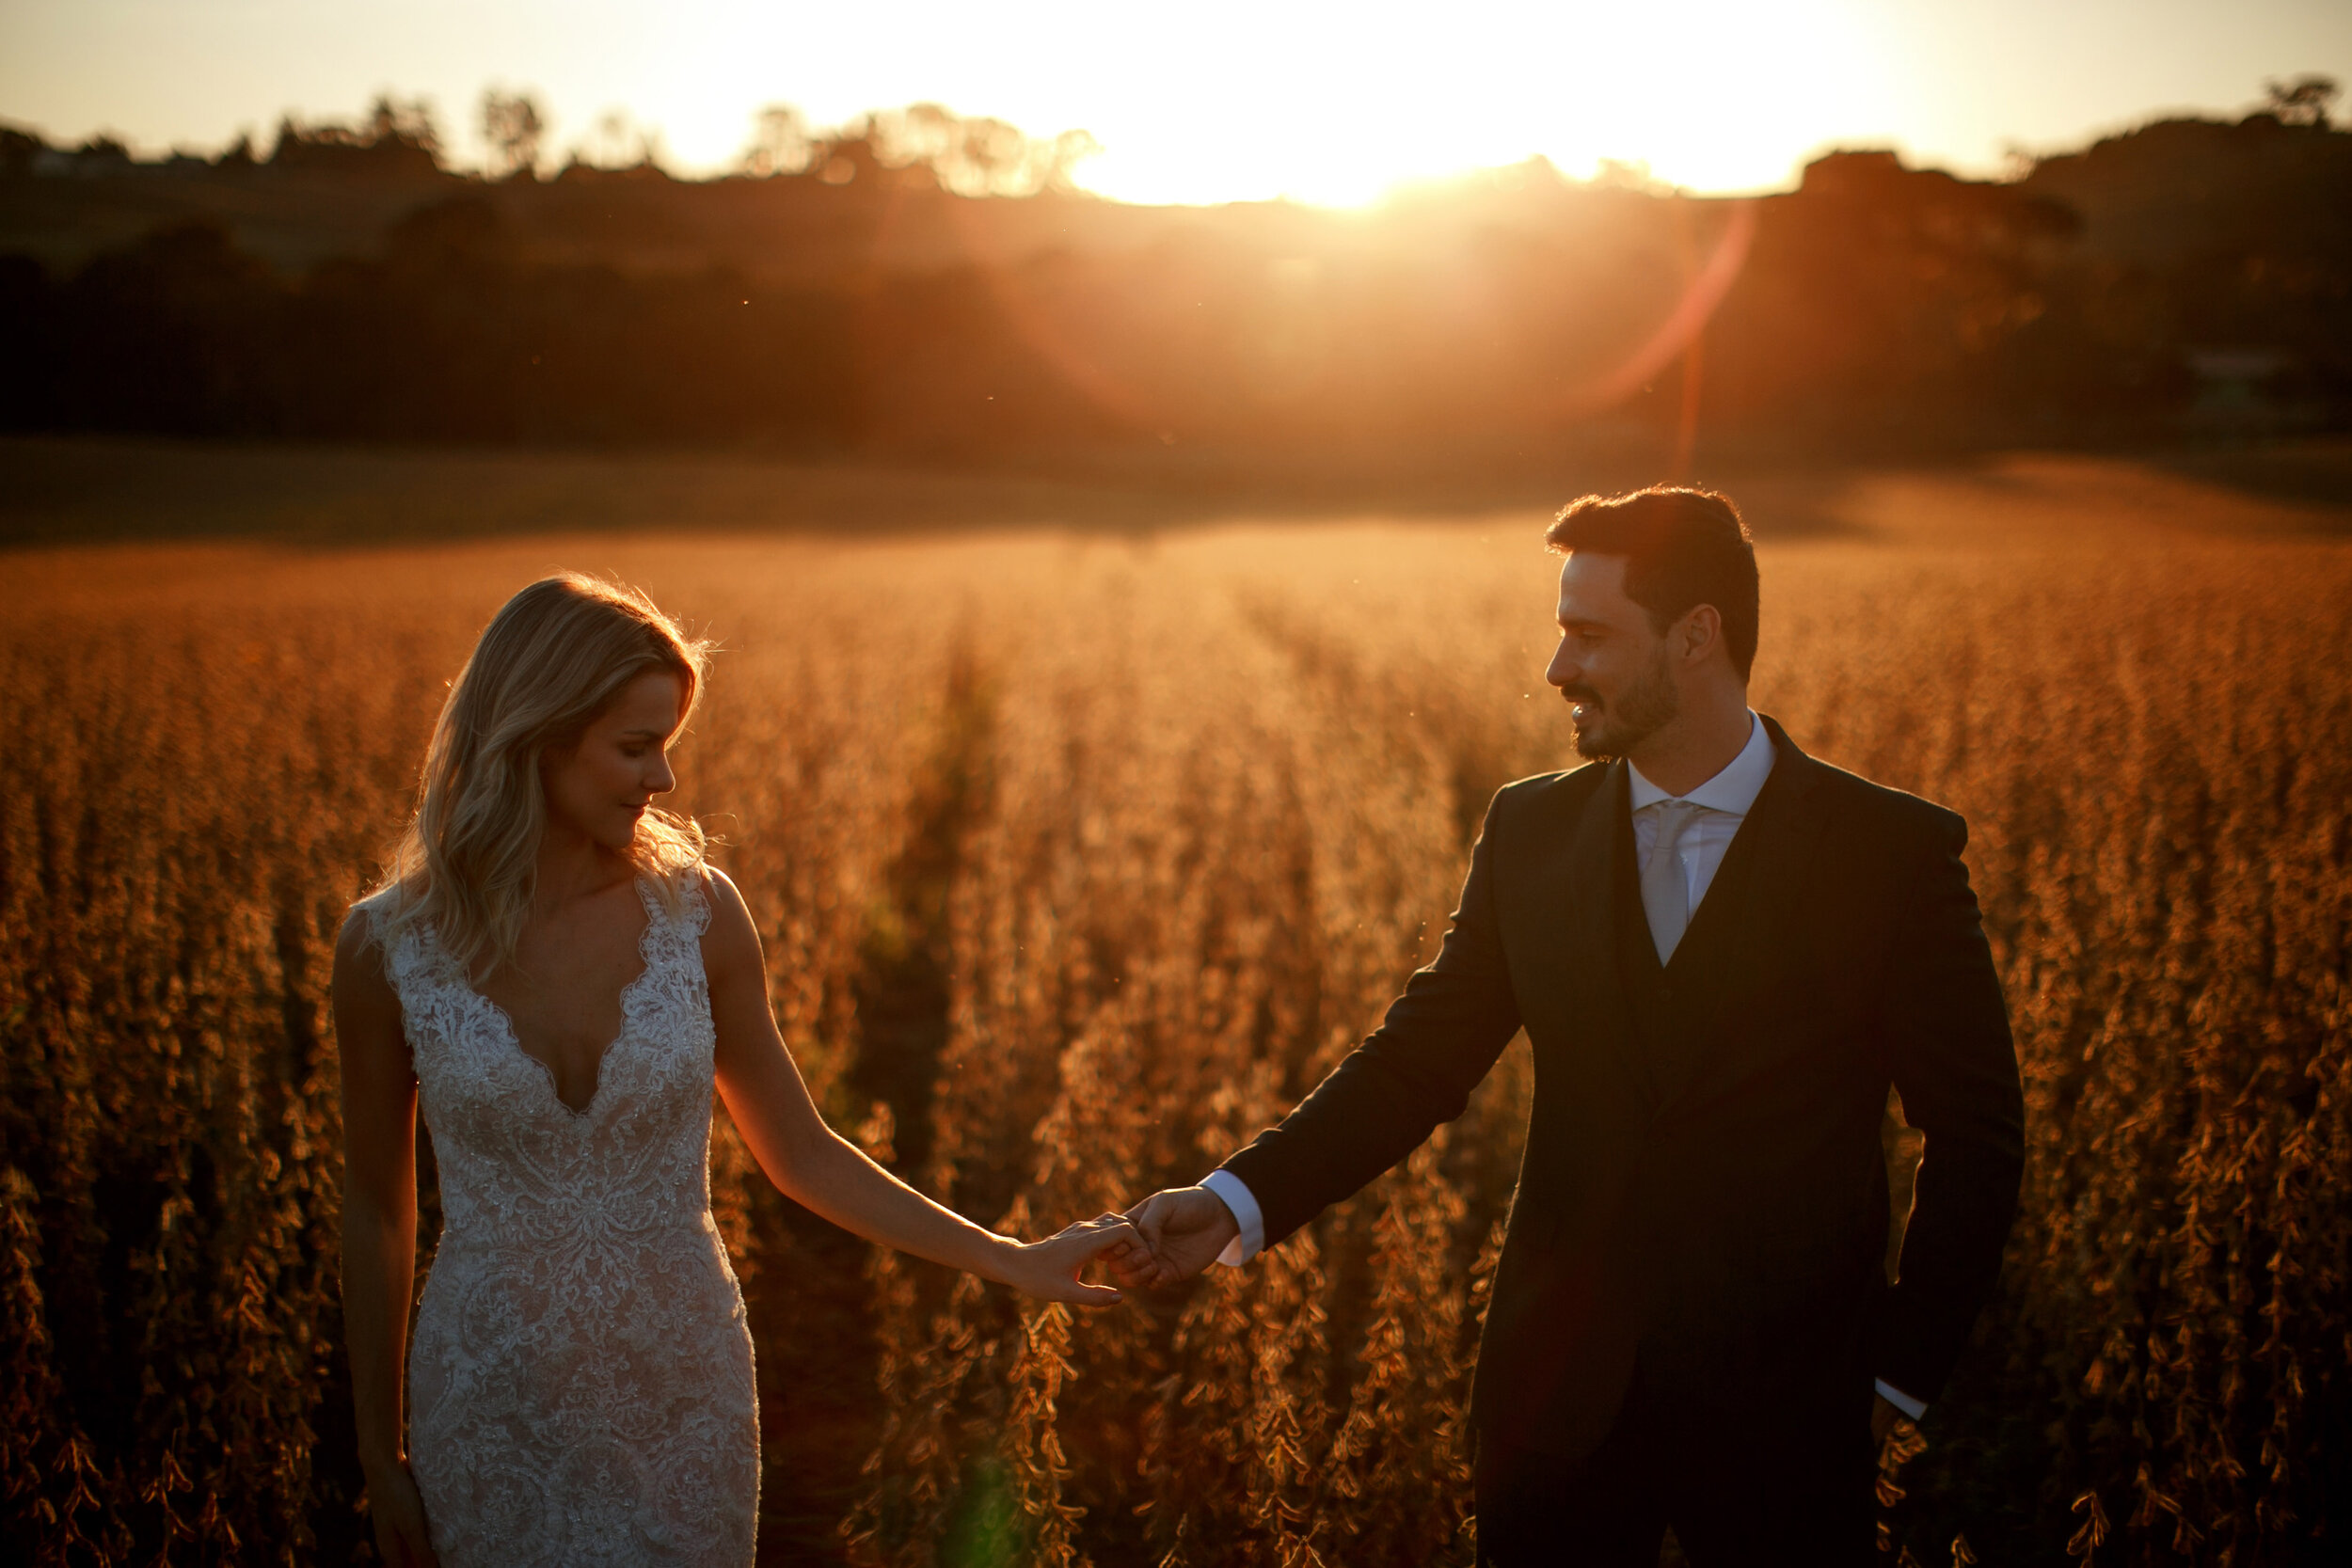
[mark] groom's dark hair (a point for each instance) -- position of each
(1681, 547)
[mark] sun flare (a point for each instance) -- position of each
(1729, 97)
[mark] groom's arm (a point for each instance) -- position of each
(1416, 1071)
(1954, 1064)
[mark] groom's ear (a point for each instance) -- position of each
(1698, 633)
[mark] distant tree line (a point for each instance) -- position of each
(439, 338)
(2193, 277)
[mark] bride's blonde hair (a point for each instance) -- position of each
(551, 660)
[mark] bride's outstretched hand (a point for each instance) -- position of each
(1050, 1269)
(399, 1514)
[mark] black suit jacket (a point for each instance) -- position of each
(1704, 1186)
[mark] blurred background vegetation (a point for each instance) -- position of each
(914, 287)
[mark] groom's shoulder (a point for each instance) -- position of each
(1567, 789)
(1583, 775)
(1895, 812)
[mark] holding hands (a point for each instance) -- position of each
(1050, 1269)
(1165, 1240)
(1181, 1231)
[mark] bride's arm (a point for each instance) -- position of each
(379, 1232)
(823, 1171)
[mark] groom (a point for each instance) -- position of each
(1722, 953)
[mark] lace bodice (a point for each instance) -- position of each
(581, 1384)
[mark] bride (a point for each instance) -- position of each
(554, 974)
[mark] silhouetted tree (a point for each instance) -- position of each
(18, 148)
(512, 125)
(105, 148)
(1883, 304)
(780, 143)
(979, 157)
(618, 143)
(2302, 100)
(397, 140)
(861, 154)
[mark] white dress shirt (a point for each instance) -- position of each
(1727, 800)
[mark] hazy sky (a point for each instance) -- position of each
(1207, 101)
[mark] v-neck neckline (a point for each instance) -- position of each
(604, 1057)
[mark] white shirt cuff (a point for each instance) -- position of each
(1896, 1397)
(1236, 1196)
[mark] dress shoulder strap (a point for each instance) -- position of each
(406, 949)
(375, 911)
(693, 901)
(678, 907)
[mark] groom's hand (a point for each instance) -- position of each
(1186, 1228)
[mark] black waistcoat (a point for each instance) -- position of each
(1672, 1005)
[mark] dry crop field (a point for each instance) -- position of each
(1077, 860)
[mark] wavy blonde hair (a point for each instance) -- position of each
(552, 658)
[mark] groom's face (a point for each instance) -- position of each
(1612, 666)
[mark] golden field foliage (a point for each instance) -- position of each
(1078, 862)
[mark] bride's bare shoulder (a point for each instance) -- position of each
(732, 938)
(363, 982)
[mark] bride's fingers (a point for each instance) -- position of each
(1092, 1245)
(1129, 1238)
(1109, 1234)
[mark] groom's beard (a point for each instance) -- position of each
(1612, 729)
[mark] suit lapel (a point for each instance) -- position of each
(1577, 889)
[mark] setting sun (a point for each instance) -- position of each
(1330, 112)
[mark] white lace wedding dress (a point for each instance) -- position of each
(580, 1385)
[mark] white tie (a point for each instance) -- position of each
(1665, 886)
